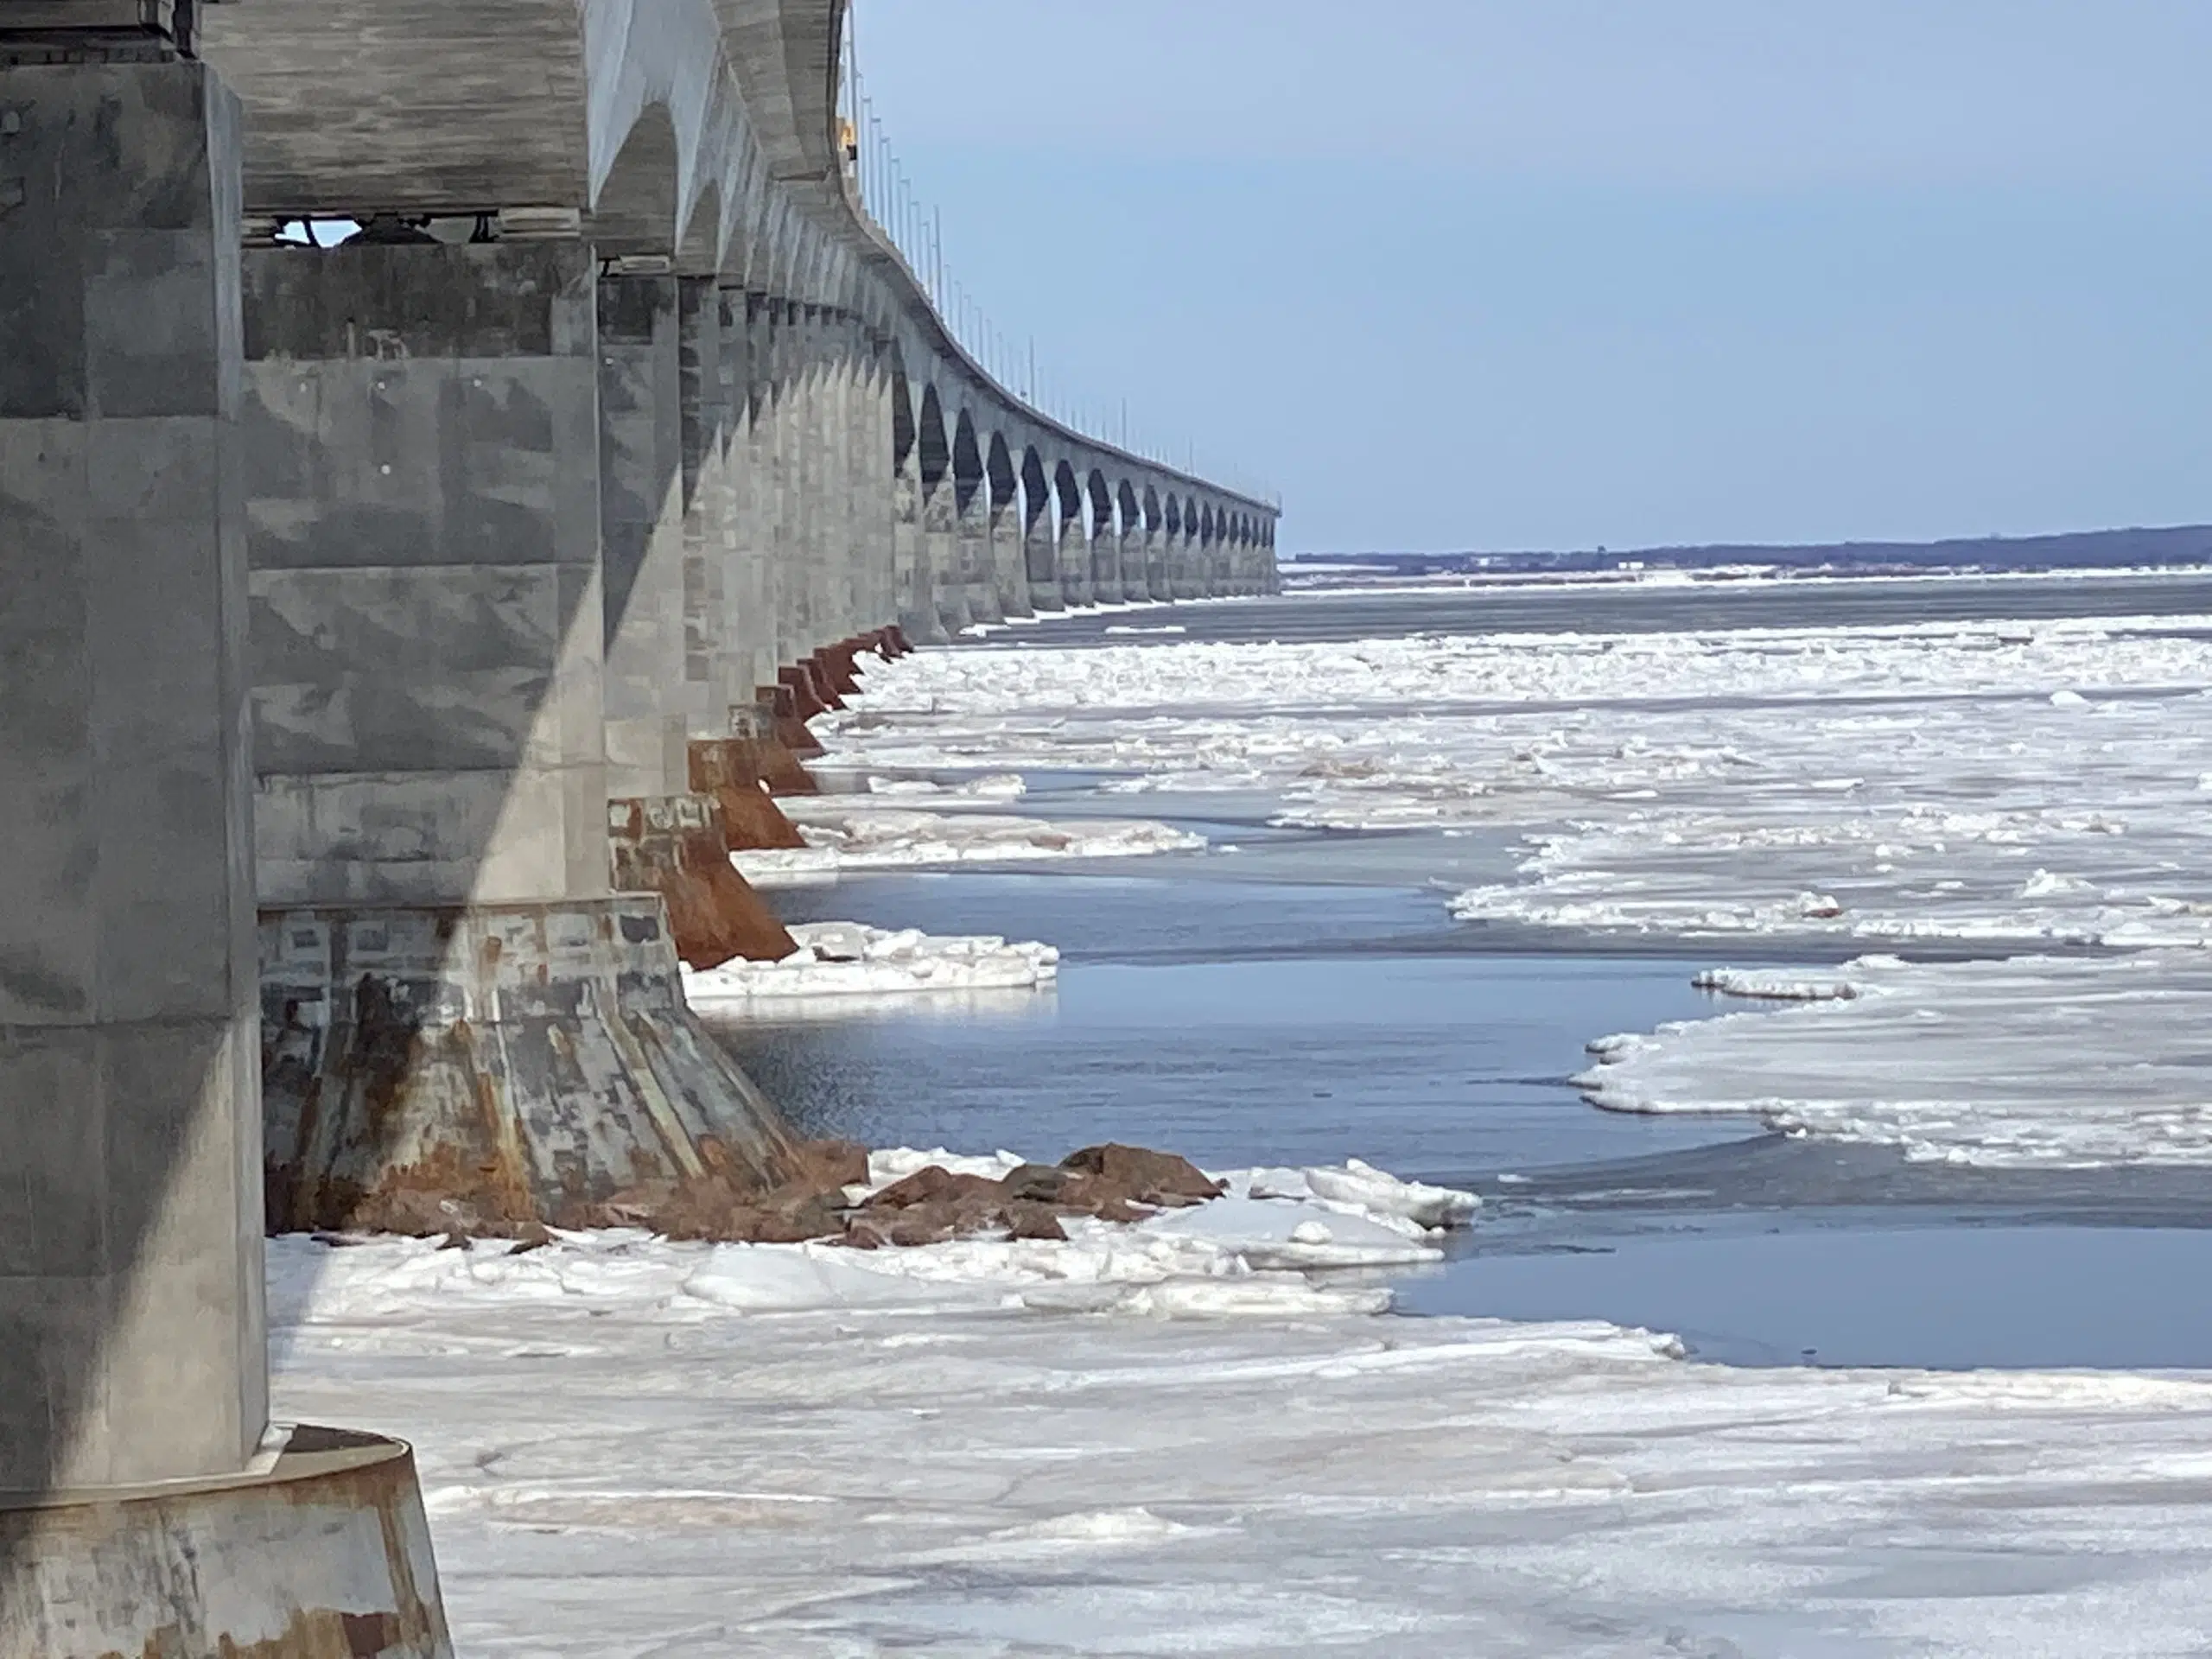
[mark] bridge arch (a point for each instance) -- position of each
(1068, 492)
(967, 461)
(903, 433)
(634, 207)
(700, 243)
(1101, 496)
(1036, 487)
(935, 446)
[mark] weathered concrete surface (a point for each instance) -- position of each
(131, 1274)
(323, 1554)
(488, 1067)
(421, 441)
(679, 847)
(655, 589)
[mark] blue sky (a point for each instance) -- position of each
(1557, 273)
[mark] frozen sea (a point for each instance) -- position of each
(1849, 1305)
(1309, 996)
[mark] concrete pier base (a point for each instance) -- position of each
(679, 847)
(488, 1068)
(320, 1551)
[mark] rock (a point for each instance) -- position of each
(910, 1229)
(935, 1185)
(794, 1226)
(864, 1233)
(1037, 1183)
(1026, 1220)
(1147, 1176)
(1094, 1195)
(832, 1164)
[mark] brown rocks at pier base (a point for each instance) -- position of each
(726, 1202)
(1158, 1179)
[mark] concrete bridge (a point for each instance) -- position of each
(393, 637)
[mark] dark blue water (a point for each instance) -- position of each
(1243, 1023)
(1311, 1000)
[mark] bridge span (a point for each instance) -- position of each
(395, 636)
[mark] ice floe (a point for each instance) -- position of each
(850, 959)
(2012, 782)
(862, 834)
(2029, 1061)
(633, 1447)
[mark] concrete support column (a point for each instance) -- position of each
(1156, 582)
(428, 619)
(1105, 557)
(131, 1272)
(1131, 543)
(740, 669)
(799, 548)
(975, 534)
(1041, 556)
(644, 530)
(941, 555)
(1008, 569)
(875, 490)
(709, 495)
(1176, 542)
(777, 481)
(918, 615)
(1074, 559)
(850, 440)
(760, 487)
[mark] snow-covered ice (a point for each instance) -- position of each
(859, 833)
(2058, 1062)
(850, 959)
(2010, 783)
(635, 1448)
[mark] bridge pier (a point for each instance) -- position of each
(917, 611)
(1156, 584)
(948, 589)
(643, 532)
(876, 441)
(1074, 557)
(454, 998)
(981, 585)
(1041, 553)
(136, 1455)
(1130, 542)
(1105, 564)
(1008, 568)
(1182, 559)
(130, 1245)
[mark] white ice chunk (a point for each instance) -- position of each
(850, 959)
(2057, 1062)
